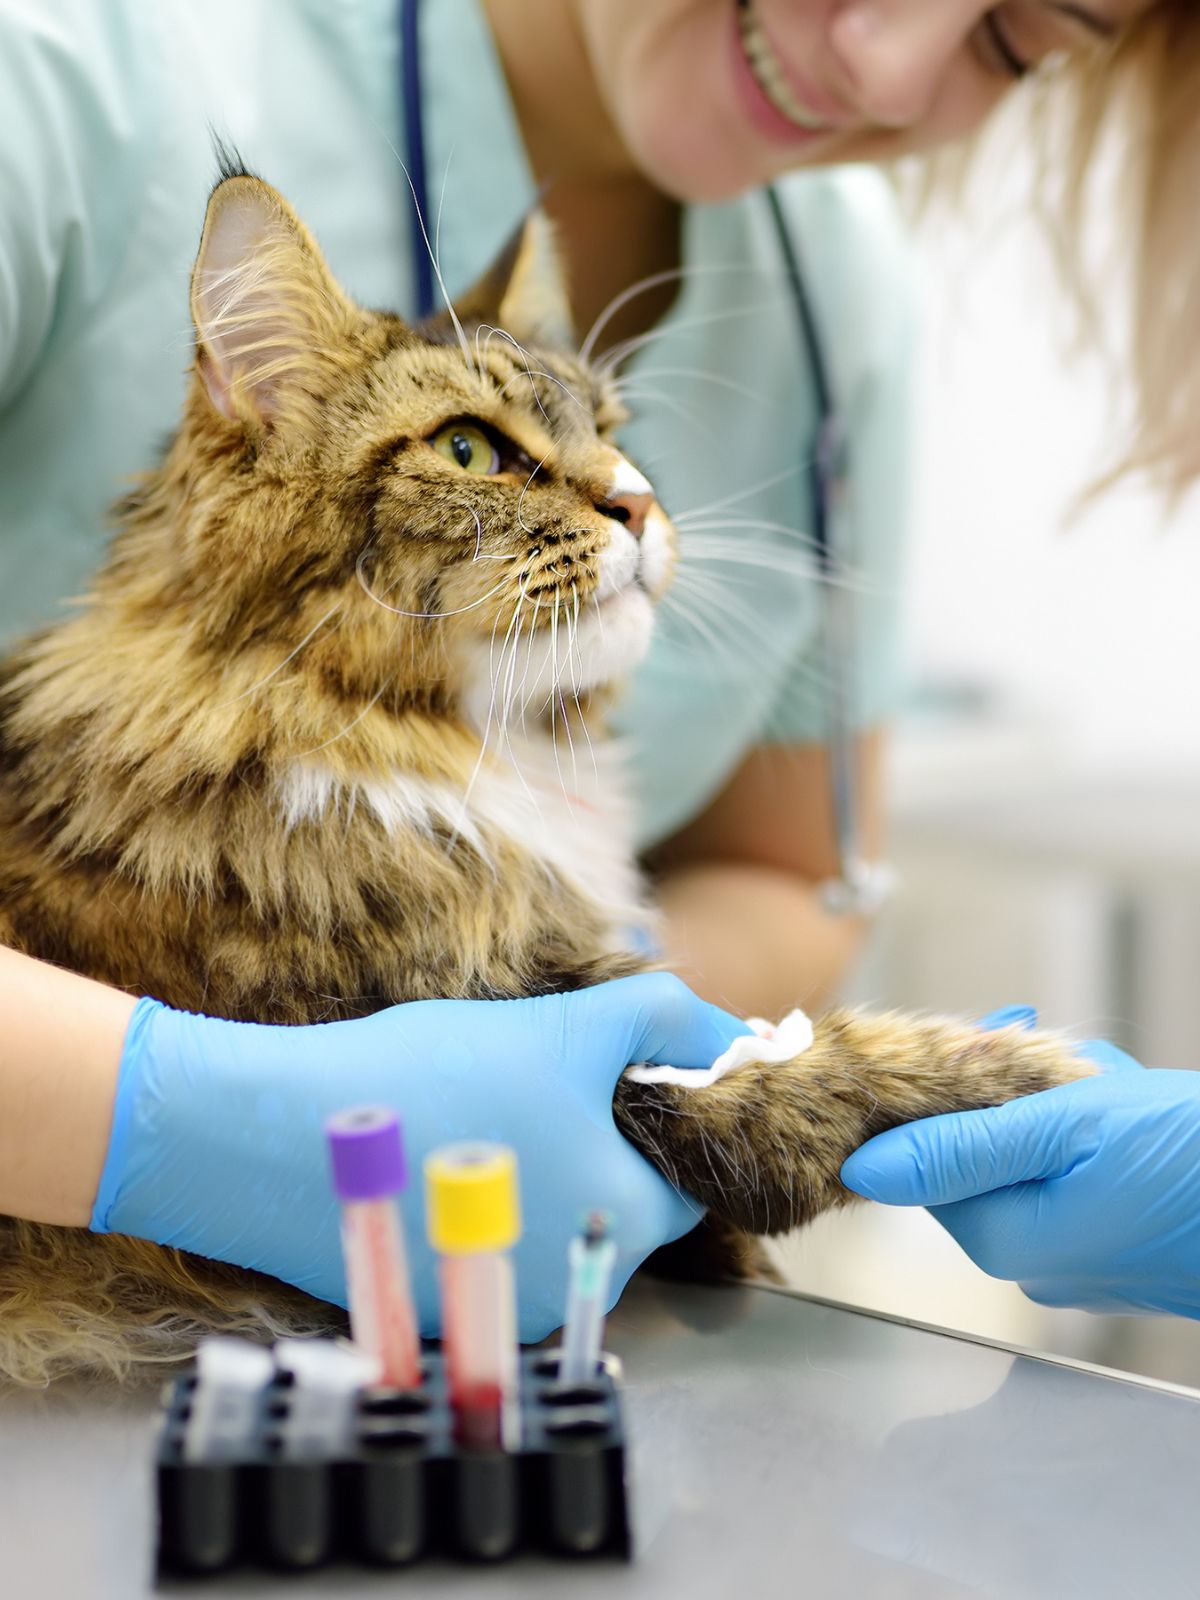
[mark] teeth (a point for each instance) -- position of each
(769, 73)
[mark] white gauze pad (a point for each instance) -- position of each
(768, 1043)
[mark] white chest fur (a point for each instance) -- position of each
(565, 810)
(569, 810)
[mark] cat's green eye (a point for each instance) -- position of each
(467, 447)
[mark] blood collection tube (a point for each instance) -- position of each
(474, 1220)
(369, 1174)
(313, 1415)
(320, 1379)
(591, 1256)
(231, 1375)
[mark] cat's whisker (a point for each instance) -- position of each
(481, 357)
(653, 280)
(532, 532)
(642, 392)
(682, 518)
(719, 648)
(600, 620)
(492, 662)
(566, 721)
(734, 644)
(558, 708)
(424, 616)
(719, 544)
(494, 332)
(479, 554)
(530, 372)
(437, 272)
(493, 676)
(583, 719)
(738, 631)
(432, 253)
(350, 726)
(712, 590)
(705, 534)
(506, 675)
(717, 603)
(437, 222)
(530, 794)
(518, 693)
(537, 604)
(276, 670)
(540, 372)
(733, 552)
(506, 708)
(628, 347)
(692, 374)
(551, 700)
(510, 674)
(560, 658)
(478, 532)
(739, 523)
(571, 619)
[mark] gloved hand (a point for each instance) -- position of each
(218, 1141)
(1086, 1195)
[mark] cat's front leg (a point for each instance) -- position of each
(762, 1146)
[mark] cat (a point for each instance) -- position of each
(298, 754)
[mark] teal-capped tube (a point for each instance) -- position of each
(591, 1256)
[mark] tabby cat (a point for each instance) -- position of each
(301, 752)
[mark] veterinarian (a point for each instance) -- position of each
(649, 126)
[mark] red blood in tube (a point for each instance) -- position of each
(477, 1415)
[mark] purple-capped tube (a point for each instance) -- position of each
(369, 1175)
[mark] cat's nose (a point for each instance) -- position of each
(631, 508)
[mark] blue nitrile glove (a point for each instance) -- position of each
(218, 1142)
(1086, 1195)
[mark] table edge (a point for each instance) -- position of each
(1071, 1363)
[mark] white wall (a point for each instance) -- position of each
(1094, 625)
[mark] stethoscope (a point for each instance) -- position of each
(859, 887)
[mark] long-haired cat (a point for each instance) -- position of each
(302, 751)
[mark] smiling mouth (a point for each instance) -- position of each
(770, 76)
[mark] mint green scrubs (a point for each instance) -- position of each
(106, 162)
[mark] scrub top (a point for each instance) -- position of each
(107, 114)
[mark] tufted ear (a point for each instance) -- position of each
(524, 291)
(268, 313)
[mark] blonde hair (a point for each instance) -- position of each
(1140, 102)
(1118, 165)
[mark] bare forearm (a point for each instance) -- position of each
(60, 1047)
(753, 939)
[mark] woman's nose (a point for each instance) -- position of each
(631, 507)
(896, 53)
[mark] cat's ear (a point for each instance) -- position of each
(269, 315)
(524, 291)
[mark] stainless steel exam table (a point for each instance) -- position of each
(781, 1446)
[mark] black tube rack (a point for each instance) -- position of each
(406, 1490)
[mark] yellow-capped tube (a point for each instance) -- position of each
(474, 1219)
